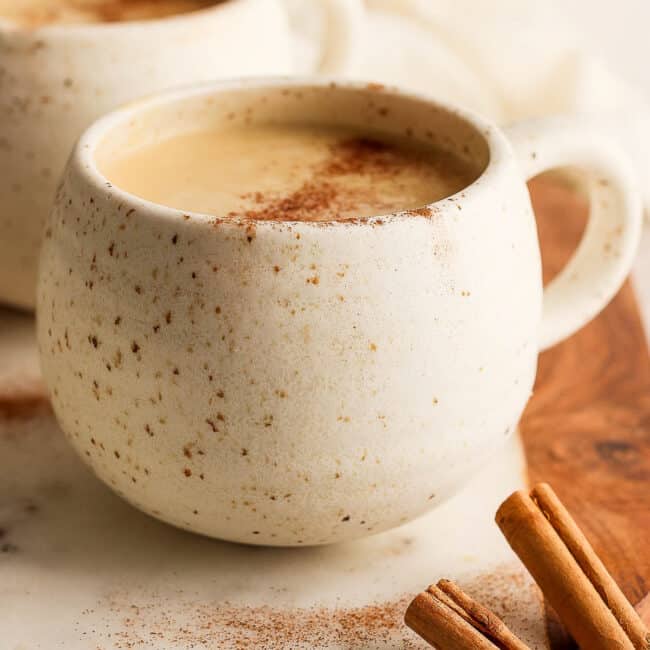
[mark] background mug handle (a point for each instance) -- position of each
(604, 257)
(343, 35)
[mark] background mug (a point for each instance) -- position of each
(56, 80)
(199, 372)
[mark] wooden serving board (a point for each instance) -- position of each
(586, 430)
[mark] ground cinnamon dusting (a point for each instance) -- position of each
(361, 156)
(324, 197)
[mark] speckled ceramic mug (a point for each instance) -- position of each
(203, 377)
(57, 79)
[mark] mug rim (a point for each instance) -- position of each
(83, 155)
(9, 26)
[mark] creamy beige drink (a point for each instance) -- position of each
(303, 173)
(35, 13)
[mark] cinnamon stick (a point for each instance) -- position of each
(449, 619)
(574, 581)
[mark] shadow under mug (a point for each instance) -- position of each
(57, 79)
(201, 375)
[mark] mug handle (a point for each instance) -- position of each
(604, 256)
(344, 33)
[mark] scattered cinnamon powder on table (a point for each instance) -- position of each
(225, 625)
(172, 621)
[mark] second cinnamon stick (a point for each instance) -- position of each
(449, 619)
